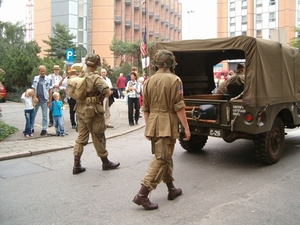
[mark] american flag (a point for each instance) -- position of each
(180, 90)
(144, 46)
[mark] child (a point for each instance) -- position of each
(55, 108)
(27, 98)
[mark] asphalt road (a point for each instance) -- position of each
(223, 184)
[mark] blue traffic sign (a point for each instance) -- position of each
(70, 55)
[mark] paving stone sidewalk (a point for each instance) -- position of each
(17, 145)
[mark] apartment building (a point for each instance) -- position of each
(267, 19)
(96, 22)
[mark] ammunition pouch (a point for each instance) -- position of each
(89, 111)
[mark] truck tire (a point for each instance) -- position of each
(196, 142)
(269, 145)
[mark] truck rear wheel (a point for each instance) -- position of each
(269, 145)
(196, 142)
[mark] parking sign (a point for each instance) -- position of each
(70, 55)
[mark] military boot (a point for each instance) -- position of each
(107, 165)
(173, 192)
(142, 199)
(77, 166)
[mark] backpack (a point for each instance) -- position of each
(77, 88)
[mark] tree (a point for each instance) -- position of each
(295, 41)
(61, 40)
(17, 58)
(129, 53)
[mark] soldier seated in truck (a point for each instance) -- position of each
(235, 84)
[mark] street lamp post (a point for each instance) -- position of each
(189, 12)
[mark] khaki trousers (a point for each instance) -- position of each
(94, 126)
(161, 166)
(106, 111)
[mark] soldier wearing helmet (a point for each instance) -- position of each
(163, 105)
(237, 80)
(90, 116)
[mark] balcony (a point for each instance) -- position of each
(136, 5)
(179, 16)
(167, 7)
(151, 14)
(179, 30)
(167, 23)
(171, 11)
(175, 28)
(151, 33)
(128, 24)
(128, 2)
(175, 14)
(157, 35)
(157, 17)
(136, 27)
(144, 10)
(162, 20)
(118, 19)
(171, 26)
(156, 1)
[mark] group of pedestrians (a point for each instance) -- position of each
(45, 92)
(163, 110)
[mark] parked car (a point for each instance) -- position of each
(3, 92)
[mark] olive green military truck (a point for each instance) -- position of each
(259, 110)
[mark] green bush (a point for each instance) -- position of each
(6, 130)
(15, 96)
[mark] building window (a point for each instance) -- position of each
(244, 4)
(80, 36)
(80, 23)
(232, 6)
(258, 34)
(232, 34)
(244, 33)
(272, 2)
(272, 17)
(258, 18)
(258, 3)
(244, 20)
(232, 21)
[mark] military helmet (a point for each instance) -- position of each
(164, 59)
(92, 60)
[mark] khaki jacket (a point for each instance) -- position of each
(163, 97)
(96, 87)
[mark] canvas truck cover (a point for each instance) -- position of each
(272, 69)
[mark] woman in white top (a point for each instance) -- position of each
(133, 89)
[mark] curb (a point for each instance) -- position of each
(26, 153)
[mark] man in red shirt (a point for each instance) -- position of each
(121, 85)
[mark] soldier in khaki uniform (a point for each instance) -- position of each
(90, 116)
(163, 108)
(239, 77)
